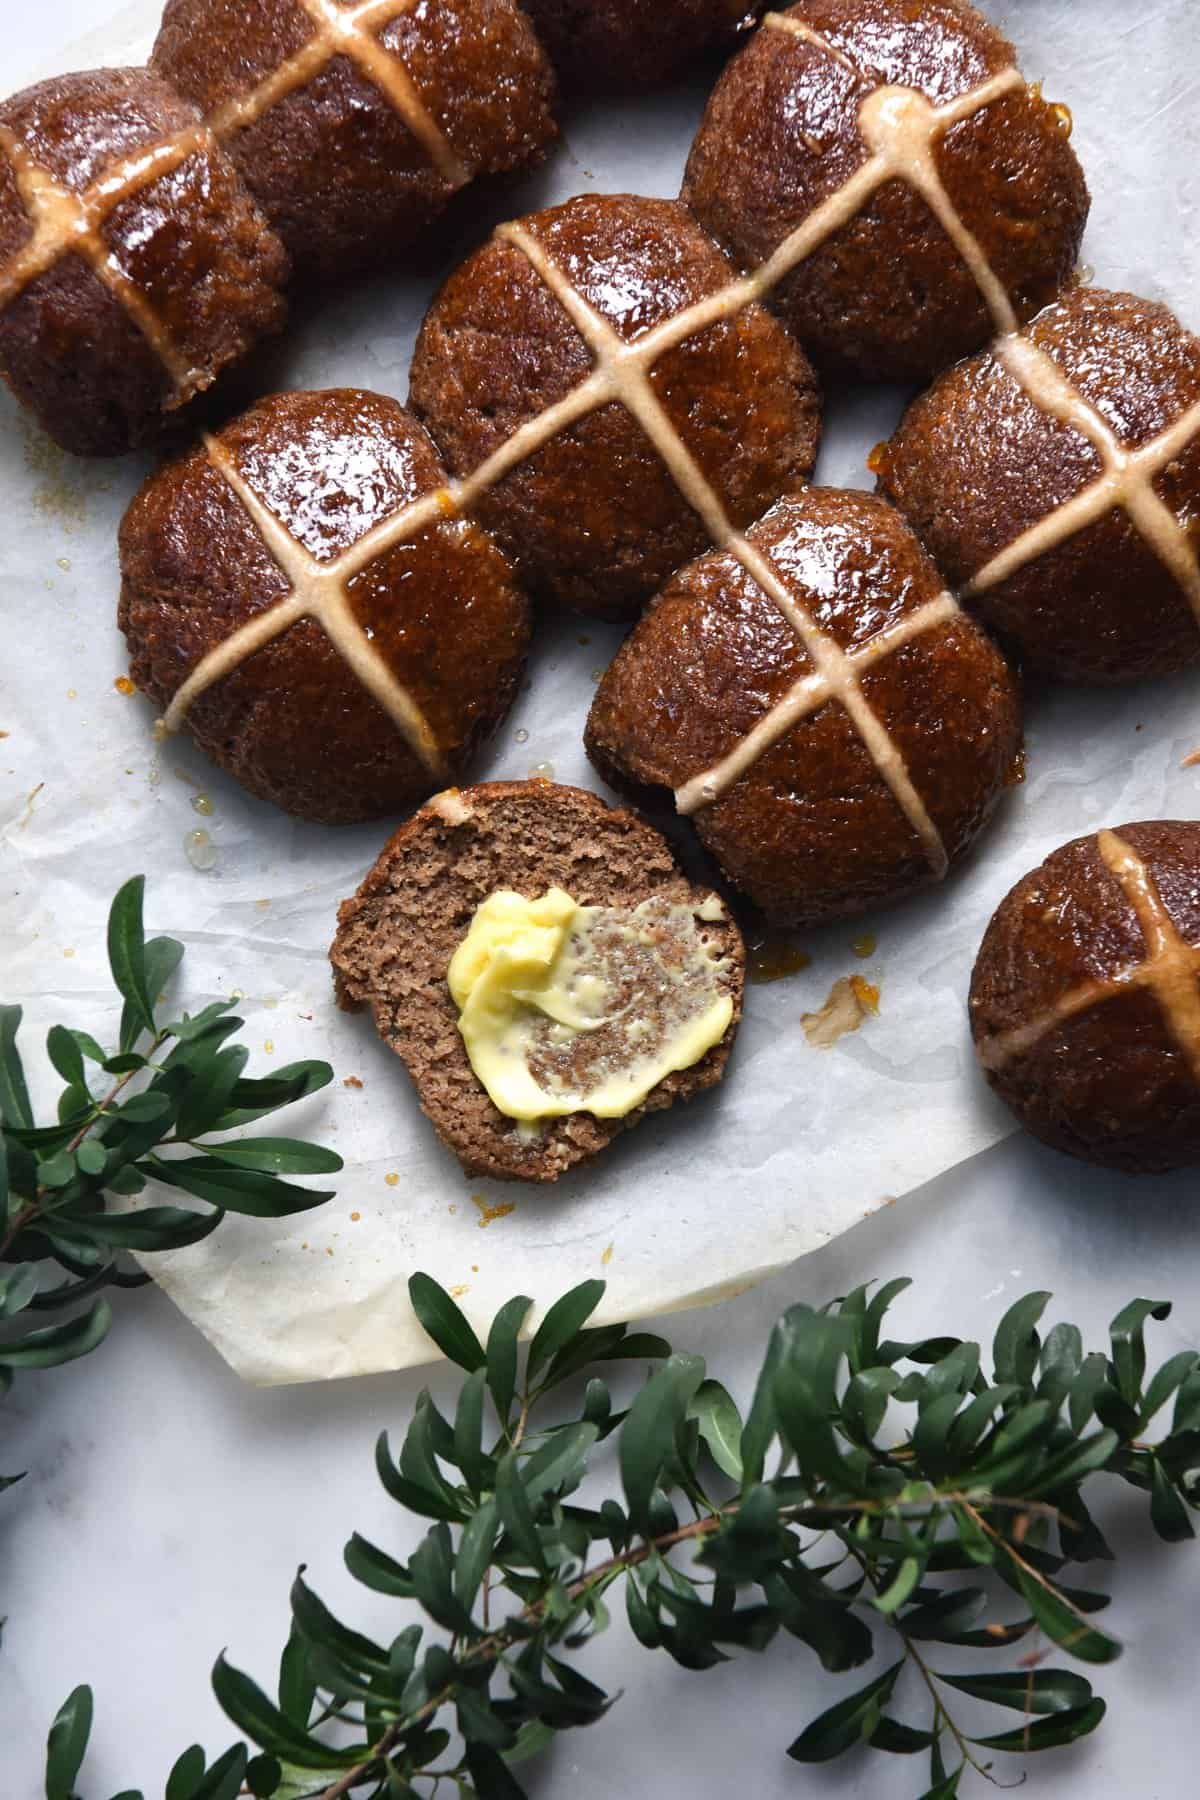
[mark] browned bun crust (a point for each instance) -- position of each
(195, 246)
(976, 462)
(397, 936)
(631, 43)
(888, 295)
(1112, 1084)
(335, 167)
(811, 831)
(293, 724)
(594, 519)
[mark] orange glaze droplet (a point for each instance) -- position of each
(865, 946)
(124, 686)
(1015, 774)
(878, 456)
(392, 1180)
(489, 1214)
(771, 960)
(1062, 118)
(866, 993)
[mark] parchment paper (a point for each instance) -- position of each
(800, 1144)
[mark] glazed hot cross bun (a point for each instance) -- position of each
(354, 122)
(920, 193)
(1056, 479)
(134, 264)
(303, 595)
(612, 396)
(836, 728)
(1085, 1002)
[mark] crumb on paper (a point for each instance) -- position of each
(352, 1081)
(262, 905)
(68, 952)
(269, 1046)
(889, 1200)
(124, 686)
(392, 1180)
(865, 946)
(355, 1217)
(474, 1268)
(456, 1293)
(1191, 760)
(608, 1255)
(328, 1250)
(72, 693)
(31, 799)
(852, 1001)
(489, 1214)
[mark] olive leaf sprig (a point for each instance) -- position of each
(868, 1477)
(123, 1120)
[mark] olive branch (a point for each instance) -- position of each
(868, 1477)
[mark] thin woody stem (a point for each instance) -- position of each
(493, 1646)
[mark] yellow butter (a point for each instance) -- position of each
(624, 997)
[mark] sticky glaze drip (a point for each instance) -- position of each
(317, 591)
(1170, 970)
(353, 32)
(69, 223)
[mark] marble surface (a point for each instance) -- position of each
(167, 1507)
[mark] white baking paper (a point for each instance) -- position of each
(800, 1144)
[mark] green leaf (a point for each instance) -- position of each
(899, 1739)
(127, 959)
(1129, 1344)
(65, 1056)
(318, 1627)
(901, 1587)
(502, 1354)
(516, 1512)
(67, 1744)
(1016, 1346)
(263, 1776)
(820, 1617)
(1063, 1624)
(14, 1095)
(1169, 1379)
(428, 1503)
(566, 1317)
(57, 1171)
(642, 1619)
(297, 1689)
(478, 1469)
(476, 1548)
(253, 1100)
(279, 1156)
(236, 1190)
(945, 1616)
(207, 1094)
(491, 1777)
(92, 1157)
(848, 1723)
(151, 1228)
(224, 1780)
(865, 1403)
(186, 1773)
(431, 1569)
(377, 1570)
(479, 1724)
(444, 1322)
(558, 1466)
(1073, 1463)
(812, 1348)
(17, 1288)
(1091, 1378)
(59, 1344)
(720, 1423)
(1038, 1691)
(761, 1421)
(1168, 1514)
(1048, 1734)
(245, 1704)
(648, 1435)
